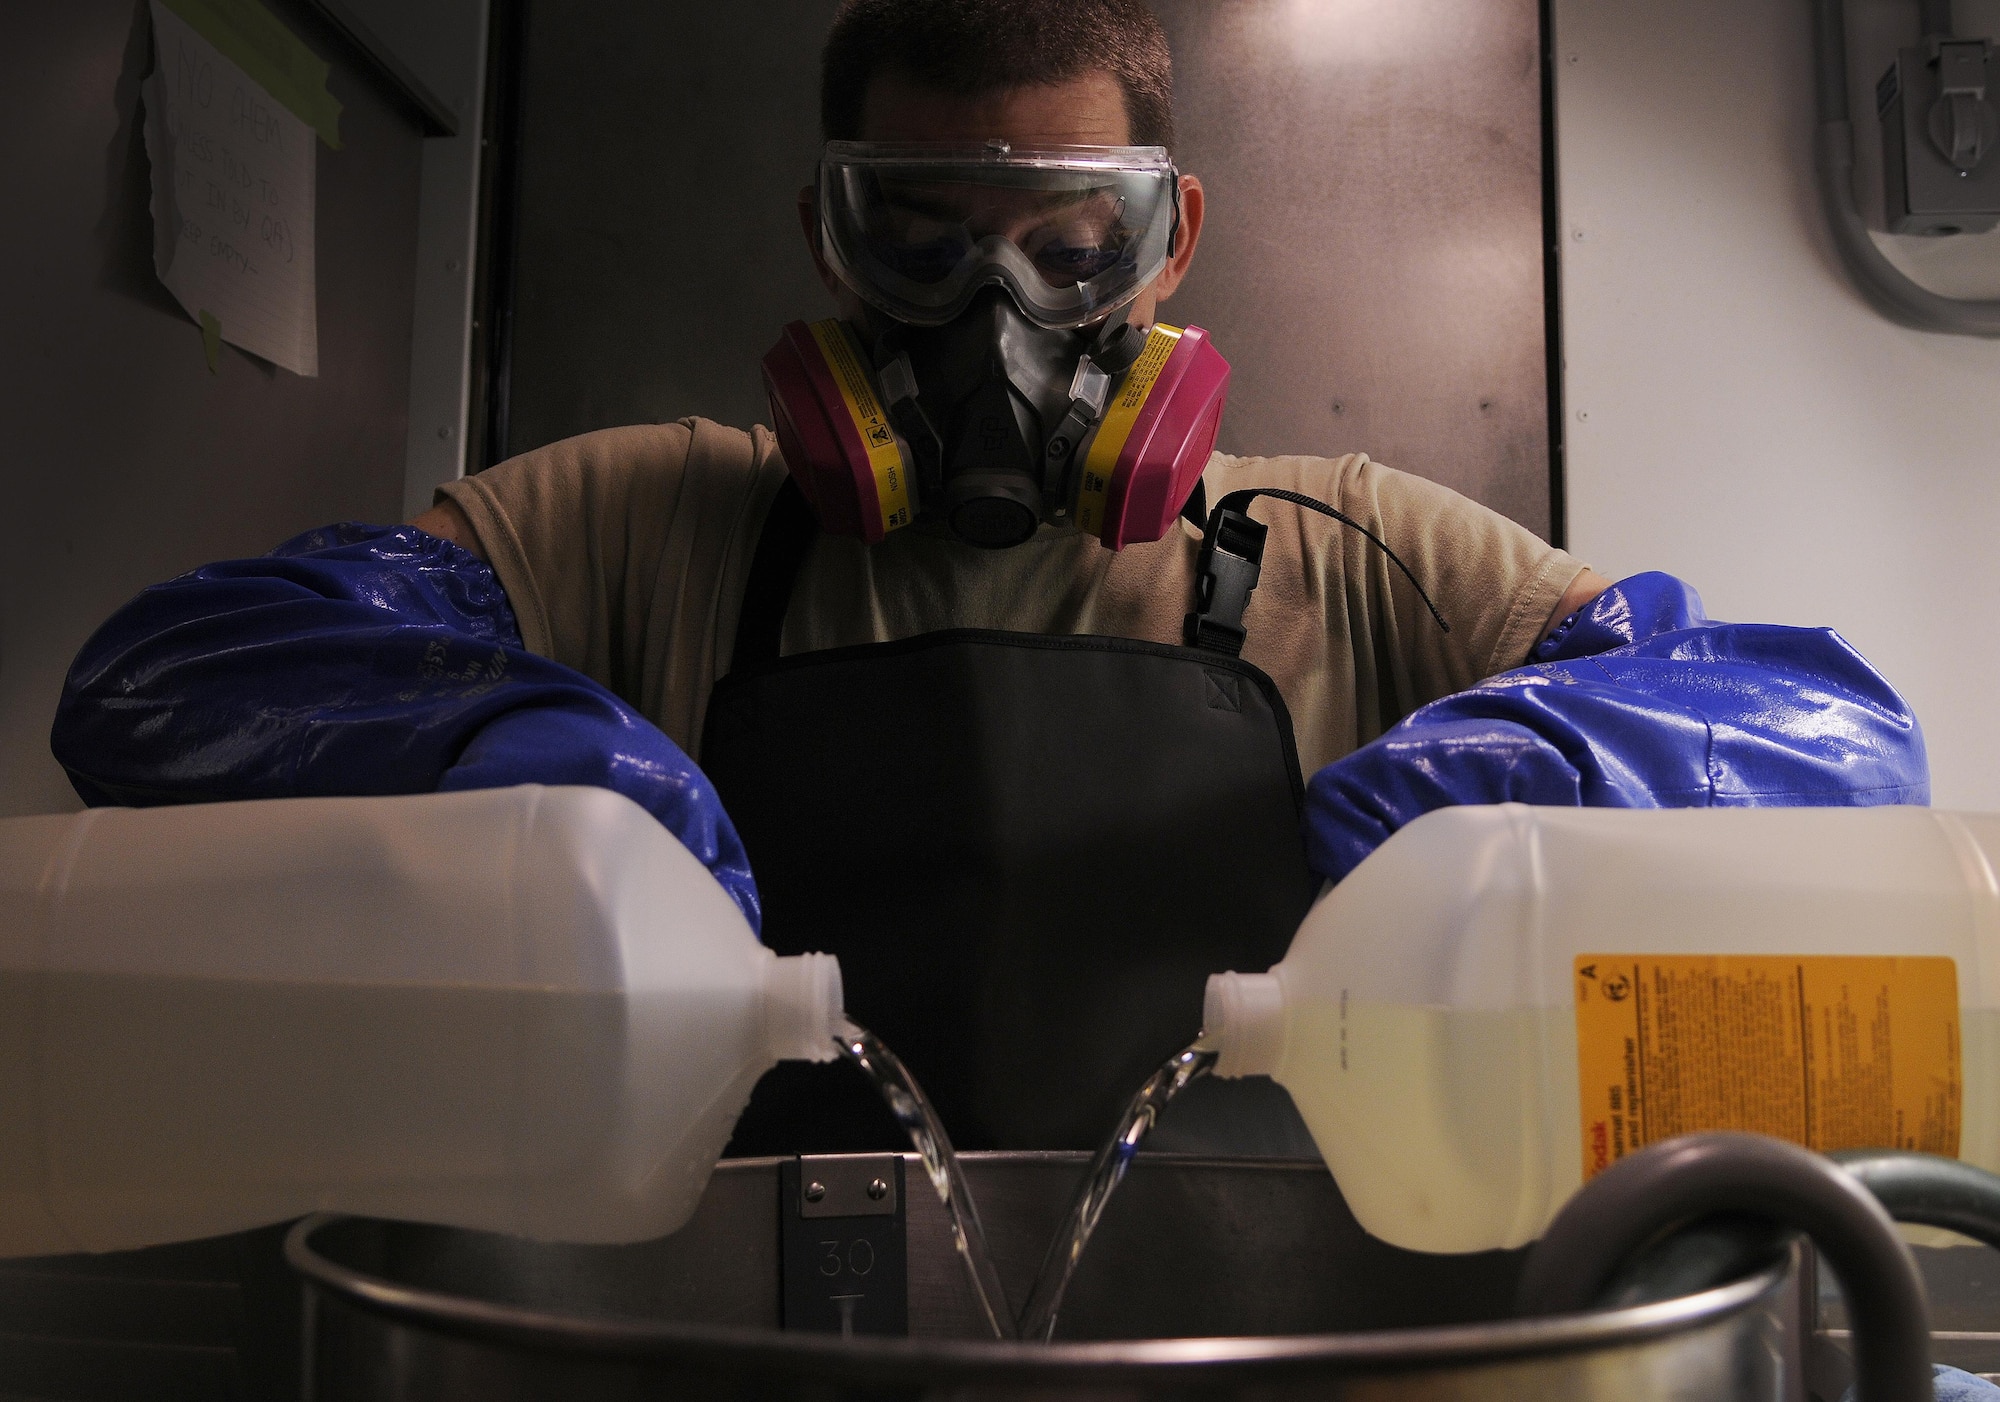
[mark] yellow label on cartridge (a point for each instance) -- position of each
(1101, 461)
(885, 459)
(1831, 1051)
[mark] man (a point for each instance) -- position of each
(1028, 787)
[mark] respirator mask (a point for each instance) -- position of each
(995, 385)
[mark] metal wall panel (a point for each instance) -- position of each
(1372, 265)
(662, 149)
(442, 46)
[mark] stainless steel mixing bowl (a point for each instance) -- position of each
(1209, 1279)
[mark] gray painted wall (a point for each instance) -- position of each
(1738, 414)
(1372, 267)
(662, 148)
(122, 459)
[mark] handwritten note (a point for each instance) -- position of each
(233, 198)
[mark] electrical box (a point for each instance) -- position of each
(1941, 138)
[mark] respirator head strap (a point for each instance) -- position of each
(1088, 389)
(899, 392)
(1112, 350)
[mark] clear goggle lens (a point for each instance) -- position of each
(1072, 232)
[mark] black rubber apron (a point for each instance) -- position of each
(1027, 851)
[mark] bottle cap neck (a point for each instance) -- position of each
(1243, 1019)
(803, 1007)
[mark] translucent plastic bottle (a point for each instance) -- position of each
(529, 1010)
(1503, 1000)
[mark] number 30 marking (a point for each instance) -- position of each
(859, 1258)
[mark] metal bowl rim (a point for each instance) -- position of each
(1383, 1349)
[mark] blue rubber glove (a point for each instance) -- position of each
(359, 660)
(1952, 1385)
(1637, 701)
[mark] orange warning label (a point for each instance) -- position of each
(871, 422)
(1100, 464)
(1828, 1051)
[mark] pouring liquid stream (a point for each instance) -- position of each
(913, 1111)
(907, 1102)
(1093, 1195)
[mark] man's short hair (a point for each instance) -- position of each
(968, 47)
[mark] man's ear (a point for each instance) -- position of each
(1194, 205)
(809, 226)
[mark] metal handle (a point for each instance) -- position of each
(1927, 1189)
(1639, 1200)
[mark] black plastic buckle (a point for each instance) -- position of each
(1232, 556)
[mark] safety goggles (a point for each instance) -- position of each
(1072, 232)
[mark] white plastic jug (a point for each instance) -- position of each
(1502, 1000)
(528, 1010)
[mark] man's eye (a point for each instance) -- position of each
(919, 246)
(931, 261)
(1061, 263)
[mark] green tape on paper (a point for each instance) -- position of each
(251, 37)
(211, 341)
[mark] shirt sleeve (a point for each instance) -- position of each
(624, 553)
(1494, 581)
(1345, 633)
(550, 522)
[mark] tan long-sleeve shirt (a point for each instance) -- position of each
(625, 554)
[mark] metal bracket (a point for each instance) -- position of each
(436, 114)
(850, 1185)
(843, 1244)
